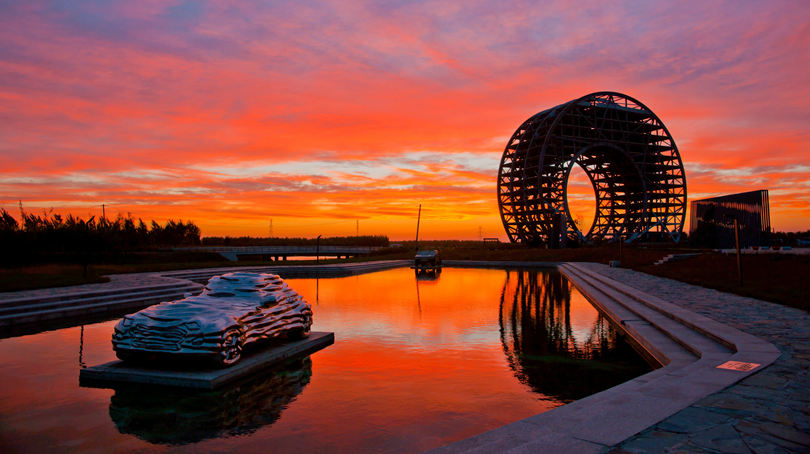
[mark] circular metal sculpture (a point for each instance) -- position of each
(623, 147)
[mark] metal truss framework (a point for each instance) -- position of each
(623, 147)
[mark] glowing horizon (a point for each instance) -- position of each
(319, 114)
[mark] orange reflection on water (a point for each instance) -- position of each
(457, 308)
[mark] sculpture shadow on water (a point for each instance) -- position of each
(547, 353)
(175, 416)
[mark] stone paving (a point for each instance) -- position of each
(768, 412)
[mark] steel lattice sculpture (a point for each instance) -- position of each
(623, 147)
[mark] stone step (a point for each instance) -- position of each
(70, 296)
(654, 343)
(731, 338)
(150, 293)
(132, 302)
(694, 341)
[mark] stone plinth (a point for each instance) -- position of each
(118, 372)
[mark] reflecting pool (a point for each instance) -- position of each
(418, 361)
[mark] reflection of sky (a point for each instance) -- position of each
(354, 109)
(583, 319)
(383, 307)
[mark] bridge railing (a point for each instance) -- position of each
(324, 250)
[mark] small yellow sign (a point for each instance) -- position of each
(737, 365)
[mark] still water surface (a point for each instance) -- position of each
(416, 364)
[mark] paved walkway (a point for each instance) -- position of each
(768, 412)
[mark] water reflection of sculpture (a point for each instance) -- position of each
(178, 416)
(542, 348)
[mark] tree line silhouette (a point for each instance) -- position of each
(37, 238)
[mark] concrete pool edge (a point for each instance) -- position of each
(688, 345)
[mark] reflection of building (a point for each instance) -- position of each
(544, 351)
(712, 220)
(180, 416)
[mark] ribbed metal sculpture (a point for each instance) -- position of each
(233, 310)
(623, 147)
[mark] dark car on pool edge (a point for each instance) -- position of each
(233, 310)
(427, 259)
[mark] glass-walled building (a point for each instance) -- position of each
(711, 222)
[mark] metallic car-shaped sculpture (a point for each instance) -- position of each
(233, 310)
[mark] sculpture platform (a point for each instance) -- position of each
(117, 372)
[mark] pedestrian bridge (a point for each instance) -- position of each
(232, 253)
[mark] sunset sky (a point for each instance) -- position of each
(317, 114)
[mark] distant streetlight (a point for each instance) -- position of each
(418, 219)
(739, 254)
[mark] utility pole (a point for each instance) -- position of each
(739, 254)
(418, 219)
(103, 212)
(271, 227)
(480, 234)
(357, 232)
(318, 250)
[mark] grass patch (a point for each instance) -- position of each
(778, 278)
